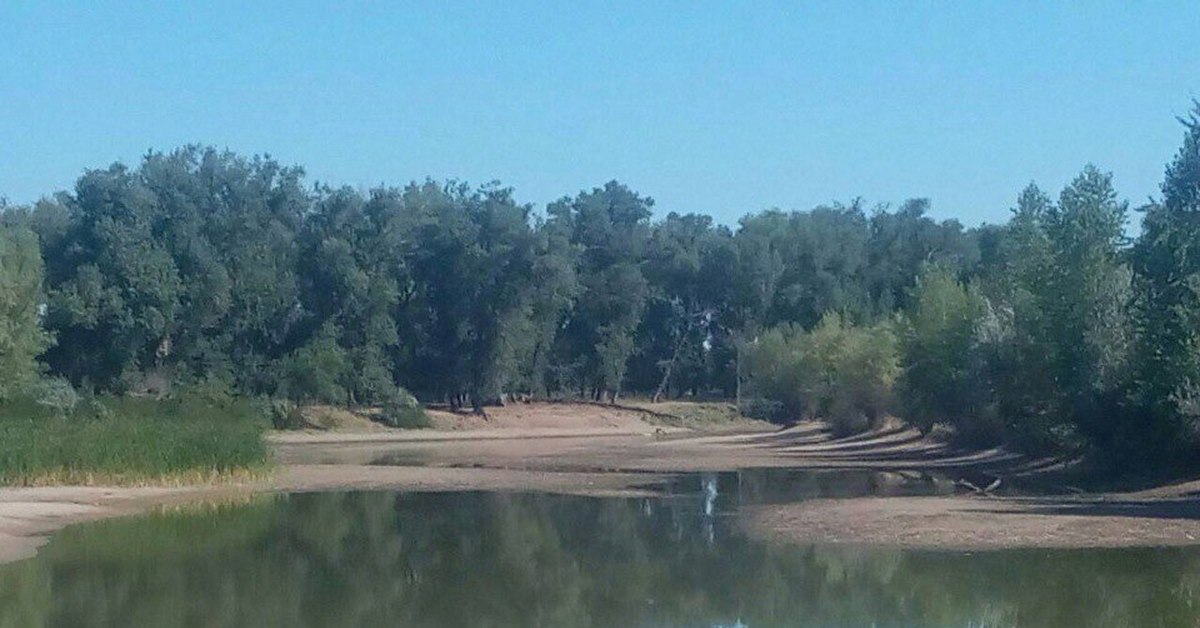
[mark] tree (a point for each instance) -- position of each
(1166, 262)
(687, 269)
(902, 243)
(609, 225)
(1085, 295)
(940, 381)
(22, 338)
(836, 371)
(184, 266)
(473, 272)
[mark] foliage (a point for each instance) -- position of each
(55, 394)
(836, 371)
(286, 415)
(21, 337)
(609, 228)
(940, 380)
(129, 440)
(403, 410)
(201, 268)
(317, 371)
(1166, 261)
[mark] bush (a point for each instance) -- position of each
(286, 415)
(763, 410)
(403, 410)
(836, 371)
(316, 372)
(56, 394)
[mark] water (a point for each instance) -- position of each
(482, 559)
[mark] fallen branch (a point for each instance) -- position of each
(986, 492)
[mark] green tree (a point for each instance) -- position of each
(836, 371)
(687, 268)
(609, 226)
(940, 381)
(22, 338)
(1166, 260)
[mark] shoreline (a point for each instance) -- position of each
(630, 460)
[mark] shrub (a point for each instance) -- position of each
(316, 372)
(56, 394)
(763, 409)
(22, 338)
(286, 415)
(403, 410)
(836, 371)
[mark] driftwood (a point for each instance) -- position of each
(985, 492)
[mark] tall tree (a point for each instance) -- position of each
(1086, 294)
(939, 381)
(473, 268)
(22, 338)
(1166, 259)
(686, 287)
(610, 226)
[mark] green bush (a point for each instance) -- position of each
(22, 338)
(838, 372)
(403, 410)
(286, 415)
(56, 394)
(316, 372)
(763, 410)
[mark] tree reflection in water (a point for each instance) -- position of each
(474, 559)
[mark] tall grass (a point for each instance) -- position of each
(131, 441)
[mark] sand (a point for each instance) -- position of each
(591, 450)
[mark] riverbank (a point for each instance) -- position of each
(981, 523)
(625, 455)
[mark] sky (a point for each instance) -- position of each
(722, 108)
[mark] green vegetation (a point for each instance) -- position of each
(128, 440)
(835, 371)
(200, 268)
(937, 334)
(22, 339)
(708, 416)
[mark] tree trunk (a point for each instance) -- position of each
(666, 378)
(737, 368)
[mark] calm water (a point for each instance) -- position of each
(477, 559)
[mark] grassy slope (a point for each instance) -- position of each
(698, 415)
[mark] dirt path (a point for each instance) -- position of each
(605, 454)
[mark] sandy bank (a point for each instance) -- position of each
(980, 523)
(606, 454)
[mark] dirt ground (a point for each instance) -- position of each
(591, 450)
(974, 523)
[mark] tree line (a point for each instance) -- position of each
(199, 267)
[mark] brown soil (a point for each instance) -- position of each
(593, 450)
(977, 523)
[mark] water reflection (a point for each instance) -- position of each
(471, 559)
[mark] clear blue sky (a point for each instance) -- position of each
(722, 108)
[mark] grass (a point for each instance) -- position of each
(132, 441)
(696, 415)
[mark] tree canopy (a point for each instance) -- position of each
(200, 266)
